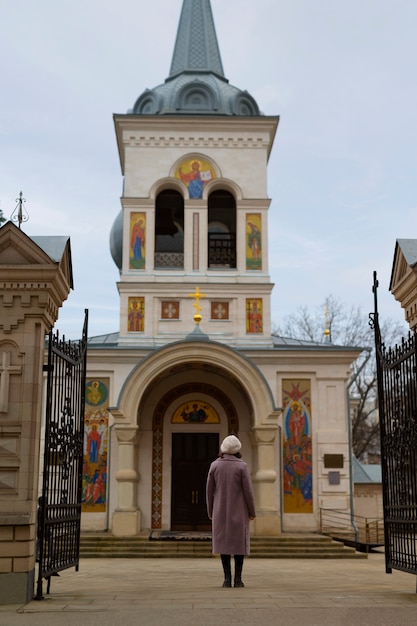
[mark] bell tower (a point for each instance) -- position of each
(194, 153)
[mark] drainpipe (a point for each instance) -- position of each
(108, 478)
(352, 505)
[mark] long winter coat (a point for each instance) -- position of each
(230, 503)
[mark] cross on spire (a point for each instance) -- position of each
(20, 214)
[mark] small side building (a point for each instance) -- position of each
(367, 490)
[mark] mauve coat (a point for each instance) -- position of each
(230, 503)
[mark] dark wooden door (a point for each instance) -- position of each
(192, 454)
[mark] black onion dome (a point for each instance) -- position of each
(116, 240)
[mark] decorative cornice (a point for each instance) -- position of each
(185, 132)
(140, 140)
(22, 299)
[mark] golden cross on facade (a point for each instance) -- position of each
(197, 295)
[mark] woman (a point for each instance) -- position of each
(230, 506)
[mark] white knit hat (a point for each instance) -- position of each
(230, 445)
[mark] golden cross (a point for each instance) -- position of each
(197, 295)
(326, 332)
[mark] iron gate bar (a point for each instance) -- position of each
(397, 403)
(59, 511)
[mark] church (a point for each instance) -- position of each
(194, 359)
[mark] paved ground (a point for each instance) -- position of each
(185, 592)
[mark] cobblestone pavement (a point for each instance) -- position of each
(181, 592)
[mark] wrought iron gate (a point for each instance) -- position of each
(397, 401)
(59, 511)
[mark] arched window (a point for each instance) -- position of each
(169, 230)
(197, 97)
(221, 230)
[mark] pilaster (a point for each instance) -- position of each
(126, 518)
(264, 476)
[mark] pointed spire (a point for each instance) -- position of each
(196, 48)
(196, 84)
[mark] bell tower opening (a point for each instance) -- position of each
(169, 230)
(221, 230)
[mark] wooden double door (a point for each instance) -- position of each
(192, 454)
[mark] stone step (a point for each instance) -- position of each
(104, 545)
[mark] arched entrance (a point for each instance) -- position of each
(193, 414)
(196, 369)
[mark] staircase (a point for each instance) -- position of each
(104, 545)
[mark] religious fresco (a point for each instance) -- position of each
(95, 448)
(170, 310)
(137, 253)
(219, 310)
(195, 173)
(254, 315)
(253, 241)
(195, 412)
(297, 446)
(136, 315)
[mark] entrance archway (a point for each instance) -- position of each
(187, 493)
(182, 371)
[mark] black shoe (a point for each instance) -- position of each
(227, 572)
(239, 583)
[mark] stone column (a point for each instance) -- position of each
(33, 287)
(264, 476)
(126, 517)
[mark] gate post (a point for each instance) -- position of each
(36, 277)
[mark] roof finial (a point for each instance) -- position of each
(197, 295)
(20, 214)
(326, 332)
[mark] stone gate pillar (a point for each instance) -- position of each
(35, 279)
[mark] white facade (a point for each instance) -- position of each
(150, 151)
(239, 374)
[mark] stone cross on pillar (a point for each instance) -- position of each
(5, 372)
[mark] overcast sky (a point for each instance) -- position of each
(343, 171)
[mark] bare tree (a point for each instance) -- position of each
(335, 322)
